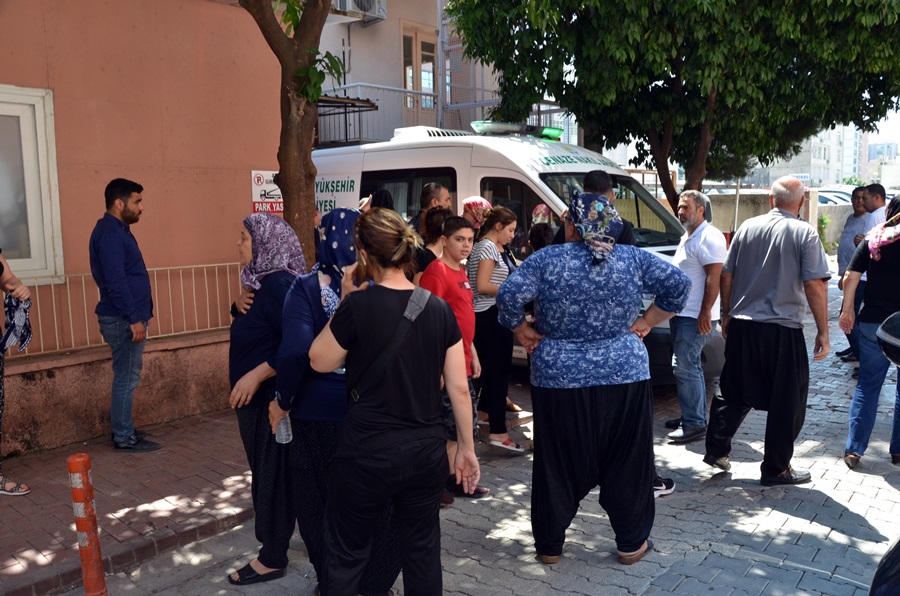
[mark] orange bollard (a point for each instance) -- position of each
(86, 524)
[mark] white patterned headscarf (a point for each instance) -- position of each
(275, 248)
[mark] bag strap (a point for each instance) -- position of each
(373, 374)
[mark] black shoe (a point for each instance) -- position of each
(717, 462)
(846, 352)
(895, 459)
(140, 434)
(855, 374)
(674, 423)
(136, 444)
(663, 487)
(789, 476)
(446, 499)
(687, 434)
(849, 358)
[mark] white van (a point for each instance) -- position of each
(518, 171)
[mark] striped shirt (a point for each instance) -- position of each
(486, 249)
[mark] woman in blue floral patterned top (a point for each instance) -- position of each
(590, 373)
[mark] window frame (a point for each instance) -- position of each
(38, 132)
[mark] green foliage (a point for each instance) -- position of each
(823, 223)
(310, 78)
(854, 180)
(762, 75)
(290, 11)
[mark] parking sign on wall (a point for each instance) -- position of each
(266, 196)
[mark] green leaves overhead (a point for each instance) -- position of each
(690, 79)
(311, 78)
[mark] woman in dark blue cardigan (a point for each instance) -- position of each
(272, 258)
(318, 403)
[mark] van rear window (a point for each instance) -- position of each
(406, 186)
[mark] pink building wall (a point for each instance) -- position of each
(182, 97)
(178, 95)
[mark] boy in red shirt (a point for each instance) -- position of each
(447, 279)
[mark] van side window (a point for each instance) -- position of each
(406, 186)
(521, 200)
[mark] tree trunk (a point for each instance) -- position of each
(695, 170)
(660, 148)
(297, 174)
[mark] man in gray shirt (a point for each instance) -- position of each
(776, 260)
(854, 230)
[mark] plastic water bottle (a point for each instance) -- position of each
(283, 432)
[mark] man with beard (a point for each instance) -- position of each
(125, 304)
(700, 255)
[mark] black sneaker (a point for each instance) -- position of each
(674, 423)
(136, 444)
(846, 352)
(687, 434)
(717, 462)
(663, 487)
(140, 434)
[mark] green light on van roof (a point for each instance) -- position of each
(486, 127)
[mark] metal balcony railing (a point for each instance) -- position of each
(396, 108)
(185, 300)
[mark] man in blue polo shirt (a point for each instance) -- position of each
(125, 304)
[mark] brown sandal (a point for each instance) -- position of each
(632, 558)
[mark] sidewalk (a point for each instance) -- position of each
(717, 534)
(196, 486)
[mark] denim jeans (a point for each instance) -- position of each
(853, 336)
(873, 367)
(687, 345)
(127, 360)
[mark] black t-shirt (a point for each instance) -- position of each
(881, 297)
(424, 258)
(406, 403)
(256, 335)
(1, 264)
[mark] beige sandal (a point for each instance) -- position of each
(16, 491)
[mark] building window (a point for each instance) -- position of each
(30, 233)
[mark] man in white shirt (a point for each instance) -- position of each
(700, 255)
(875, 204)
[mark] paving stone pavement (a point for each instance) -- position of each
(719, 533)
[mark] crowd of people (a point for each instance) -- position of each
(359, 386)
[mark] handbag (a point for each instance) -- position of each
(373, 374)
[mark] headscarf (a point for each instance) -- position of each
(337, 249)
(275, 248)
(18, 326)
(886, 233)
(598, 222)
(477, 206)
(541, 214)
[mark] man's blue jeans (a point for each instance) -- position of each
(127, 360)
(687, 345)
(873, 367)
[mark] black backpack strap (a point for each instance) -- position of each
(373, 374)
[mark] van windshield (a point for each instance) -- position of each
(654, 224)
